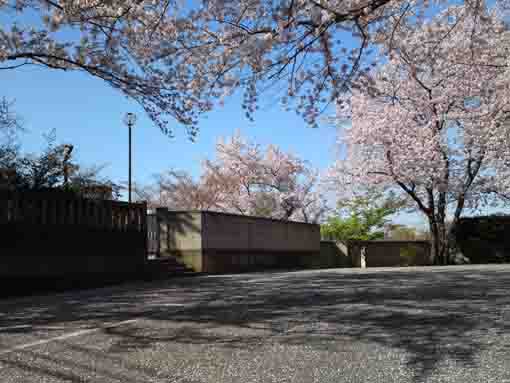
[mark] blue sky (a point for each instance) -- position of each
(88, 113)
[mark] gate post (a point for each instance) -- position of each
(363, 257)
(161, 231)
(143, 227)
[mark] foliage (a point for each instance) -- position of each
(362, 217)
(405, 233)
(10, 122)
(402, 233)
(8, 155)
(351, 228)
(179, 59)
(42, 171)
(54, 168)
(10, 127)
(245, 178)
(427, 124)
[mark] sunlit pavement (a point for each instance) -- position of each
(377, 325)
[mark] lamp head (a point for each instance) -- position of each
(130, 119)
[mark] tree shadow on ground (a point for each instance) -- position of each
(433, 316)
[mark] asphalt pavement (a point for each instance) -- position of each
(449, 324)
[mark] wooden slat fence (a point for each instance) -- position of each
(60, 235)
(62, 208)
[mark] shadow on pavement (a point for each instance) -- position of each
(433, 316)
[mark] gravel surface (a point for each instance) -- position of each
(448, 324)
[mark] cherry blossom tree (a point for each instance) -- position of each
(180, 59)
(178, 190)
(244, 178)
(265, 182)
(430, 123)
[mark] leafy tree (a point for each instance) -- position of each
(362, 217)
(53, 169)
(10, 126)
(42, 171)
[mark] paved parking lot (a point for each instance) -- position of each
(385, 325)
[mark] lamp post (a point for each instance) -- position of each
(129, 120)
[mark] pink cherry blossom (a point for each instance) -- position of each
(181, 59)
(432, 122)
(245, 178)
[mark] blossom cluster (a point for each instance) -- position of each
(181, 60)
(433, 121)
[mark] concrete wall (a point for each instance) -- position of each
(332, 255)
(390, 253)
(218, 243)
(227, 231)
(181, 237)
(234, 243)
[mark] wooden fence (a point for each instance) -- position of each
(61, 208)
(59, 235)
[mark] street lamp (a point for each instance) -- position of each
(129, 120)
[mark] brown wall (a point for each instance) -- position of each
(234, 232)
(215, 261)
(390, 253)
(233, 243)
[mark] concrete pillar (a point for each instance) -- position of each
(162, 224)
(363, 257)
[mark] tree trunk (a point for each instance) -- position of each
(440, 241)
